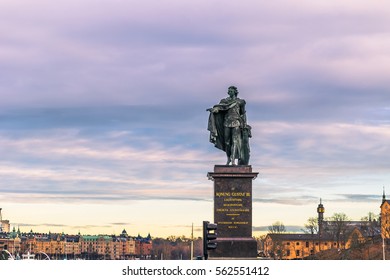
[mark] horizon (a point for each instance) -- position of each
(115, 230)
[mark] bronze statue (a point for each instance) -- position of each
(228, 128)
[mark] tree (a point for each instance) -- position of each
(371, 223)
(370, 217)
(260, 243)
(176, 248)
(277, 227)
(337, 226)
(311, 226)
(277, 246)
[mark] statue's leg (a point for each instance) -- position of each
(245, 148)
(236, 147)
(228, 144)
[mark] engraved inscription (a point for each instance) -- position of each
(233, 206)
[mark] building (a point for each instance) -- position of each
(63, 246)
(144, 247)
(288, 246)
(385, 217)
(10, 246)
(340, 234)
(4, 224)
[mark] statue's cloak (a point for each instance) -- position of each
(216, 124)
(216, 128)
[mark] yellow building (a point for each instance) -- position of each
(331, 234)
(385, 217)
(108, 247)
(287, 246)
(62, 246)
(10, 246)
(5, 226)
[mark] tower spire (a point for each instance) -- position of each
(1, 221)
(320, 212)
(384, 195)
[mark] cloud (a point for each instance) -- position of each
(289, 228)
(45, 224)
(360, 197)
(70, 148)
(72, 54)
(105, 102)
(296, 201)
(86, 227)
(121, 224)
(330, 143)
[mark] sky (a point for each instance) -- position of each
(103, 122)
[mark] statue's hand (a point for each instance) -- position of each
(213, 110)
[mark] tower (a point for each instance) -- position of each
(1, 221)
(383, 197)
(320, 211)
(385, 217)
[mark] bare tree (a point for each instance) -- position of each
(337, 226)
(260, 243)
(277, 227)
(371, 223)
(370, 217)
(277, 248)
(311, 226)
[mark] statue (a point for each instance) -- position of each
(228, 128)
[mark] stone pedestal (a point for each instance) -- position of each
(233, 211)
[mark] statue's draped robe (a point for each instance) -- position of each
(217, 134)
(216, 128)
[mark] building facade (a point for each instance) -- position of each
(329, 235)
(4, 224)
(63, 246)
(385, 217)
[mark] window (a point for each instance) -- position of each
(297, 243)
(288, 243)
(297, 253)
(288, 253)
(307, 244)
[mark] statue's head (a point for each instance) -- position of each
(233, 90)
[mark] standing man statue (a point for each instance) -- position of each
(228, 128)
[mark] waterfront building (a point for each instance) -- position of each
(330, 234)
(62, 246)
(144, 246)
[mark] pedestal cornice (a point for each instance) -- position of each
(230, 171)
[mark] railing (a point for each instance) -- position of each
(10, 255)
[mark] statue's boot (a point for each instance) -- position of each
(228, 161)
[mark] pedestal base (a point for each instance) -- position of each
(235, 248)
(233, 212)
